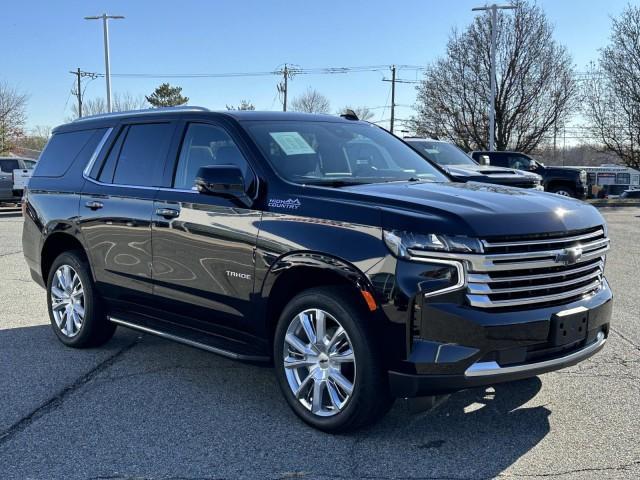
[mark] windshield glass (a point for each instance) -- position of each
(338, 153)
(442, 153)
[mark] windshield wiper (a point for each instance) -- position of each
(333, 183)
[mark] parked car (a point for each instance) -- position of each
(266, 236)
(10, 168)
(564, 181)
(463, 168)
(630, 194)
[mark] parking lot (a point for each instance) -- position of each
(142, 407)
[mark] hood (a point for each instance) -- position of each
(487, 170)
(474, 209)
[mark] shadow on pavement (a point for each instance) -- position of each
(161, 409)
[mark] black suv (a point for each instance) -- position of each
(569, 182)
(464, 169)
(283, 237)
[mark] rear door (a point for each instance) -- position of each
(203, 245)
(116, 209)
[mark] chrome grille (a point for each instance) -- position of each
(542, 269)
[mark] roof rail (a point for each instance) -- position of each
(142, 112)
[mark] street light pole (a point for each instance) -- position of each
(107, 64)
(492, 100)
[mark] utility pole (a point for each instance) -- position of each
(107, 66)
(78, 93)
(492, 100)
(283, 87)
(393, 97)
(286, 85)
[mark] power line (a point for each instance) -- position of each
(297, 71)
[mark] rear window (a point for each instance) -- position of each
(8, 165)
(65, 148)
(143, 153)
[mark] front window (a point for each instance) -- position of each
(338, 153)
(521, 163)
(442, 153)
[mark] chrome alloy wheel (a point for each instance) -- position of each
(563, 193)
(67, 300)
(319, 362)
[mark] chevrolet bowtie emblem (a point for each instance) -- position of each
(569, 256)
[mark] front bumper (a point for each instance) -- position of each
(460, 347)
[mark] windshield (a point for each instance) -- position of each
(442, 153)
(338, 153)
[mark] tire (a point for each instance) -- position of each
(564, 191)
(75, 311)
(338, 408)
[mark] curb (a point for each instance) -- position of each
(615, 203)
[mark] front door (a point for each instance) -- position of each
(203, 245)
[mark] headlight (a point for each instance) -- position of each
(583, 176)
(400, 242)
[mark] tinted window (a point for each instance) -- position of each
(8, 165)
(143, 154)
(497, 160)
(332, 153)
(519, 162)
(108, 167)
(442, 153)
(207, 145)
(29, 163)
(64, 148)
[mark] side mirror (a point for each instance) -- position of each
(484, 160)
(222, 180)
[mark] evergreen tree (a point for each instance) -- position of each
(167, 96)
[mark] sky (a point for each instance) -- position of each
(43, 40)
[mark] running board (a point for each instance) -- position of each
(191, 343)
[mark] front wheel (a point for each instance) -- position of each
(327, 362)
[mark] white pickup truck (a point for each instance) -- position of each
(14, 175)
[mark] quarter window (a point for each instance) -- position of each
(63, 149)
(142, 155)
(206, 145)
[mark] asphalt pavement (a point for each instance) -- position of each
(145, 408)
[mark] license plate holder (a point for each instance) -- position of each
(569, 326)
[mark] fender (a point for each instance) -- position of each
(321, 261)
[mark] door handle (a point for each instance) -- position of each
(167, 212)
(93, 205)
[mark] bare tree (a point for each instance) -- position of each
(611, 100)
(534, 75)
(35, 140)
(121, 102)
(363, 113)
(311, 101)
(13, 105)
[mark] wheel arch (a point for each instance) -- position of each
(296, 272)
(55, 244)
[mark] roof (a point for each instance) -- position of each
(249, 115)
(237, 114)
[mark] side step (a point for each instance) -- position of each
(210, 343)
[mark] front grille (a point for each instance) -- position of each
(537, 270)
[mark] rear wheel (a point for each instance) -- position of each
(75, 310)
(327, 363)
(564, 191)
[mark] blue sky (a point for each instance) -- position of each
(43, 40)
